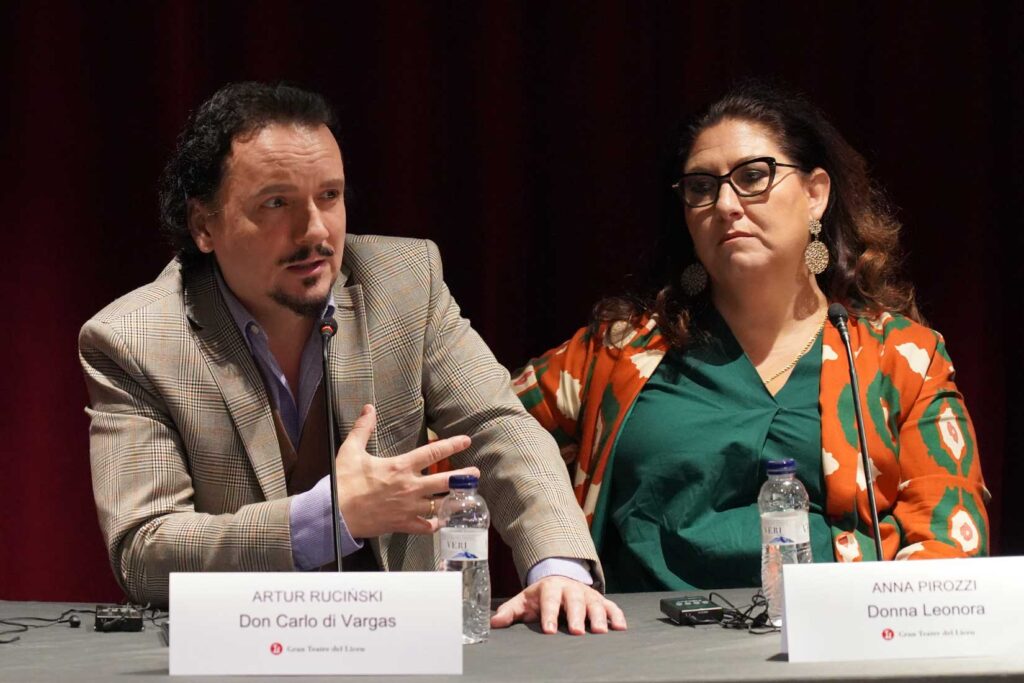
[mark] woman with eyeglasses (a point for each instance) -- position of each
(669, 404)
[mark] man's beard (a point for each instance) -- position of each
(307, 308)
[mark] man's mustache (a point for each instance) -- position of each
(303, 254)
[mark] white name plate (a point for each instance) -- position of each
(316, 623)
(903, 610)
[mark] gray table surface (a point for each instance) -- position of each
(653, 649)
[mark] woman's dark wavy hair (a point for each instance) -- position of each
(196, 168)
(858, 225)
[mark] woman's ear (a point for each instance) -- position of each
(818, 187)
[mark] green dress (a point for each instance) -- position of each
(681, 511)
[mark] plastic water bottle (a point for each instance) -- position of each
(464, 520)
(785, 530)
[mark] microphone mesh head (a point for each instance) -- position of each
(837, 314)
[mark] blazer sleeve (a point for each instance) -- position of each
(143, 486)
(523, 479)
(941, 501)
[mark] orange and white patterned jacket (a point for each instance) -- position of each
(929, 489)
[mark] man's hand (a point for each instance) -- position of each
(388, 495)
(546, 598)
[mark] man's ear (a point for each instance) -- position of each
(818, 187)
(198, 225)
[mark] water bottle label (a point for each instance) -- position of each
(787, 527)
(463, 544)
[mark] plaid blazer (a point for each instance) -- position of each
(186, 465)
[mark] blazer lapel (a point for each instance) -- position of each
(352, 378)
(351, 366)
(238, 379)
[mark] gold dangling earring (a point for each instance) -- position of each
(816, 253)
(693, 279)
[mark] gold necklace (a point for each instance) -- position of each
(803, 352)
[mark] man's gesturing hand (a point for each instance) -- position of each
(386, 495)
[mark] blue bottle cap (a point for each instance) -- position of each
(784, 466)
(463, 481)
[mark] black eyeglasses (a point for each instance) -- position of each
(748, 179)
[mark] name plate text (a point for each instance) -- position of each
(382, 623)
(903, 610)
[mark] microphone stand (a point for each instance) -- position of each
(838, 316)
(328, 327)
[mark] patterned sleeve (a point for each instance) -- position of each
(551, 389)
(942, 496)
(143, 486)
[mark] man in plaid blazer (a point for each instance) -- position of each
(205, 385)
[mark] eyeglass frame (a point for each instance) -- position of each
(772, 165)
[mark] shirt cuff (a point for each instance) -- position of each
(312, 531)
(560, 566)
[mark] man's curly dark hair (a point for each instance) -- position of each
(196, 168)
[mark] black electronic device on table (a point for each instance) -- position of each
(111, 618)
(691, 610)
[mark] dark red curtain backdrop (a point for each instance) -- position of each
(523, 138)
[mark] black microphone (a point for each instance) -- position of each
(838, 316)
(328, 327)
